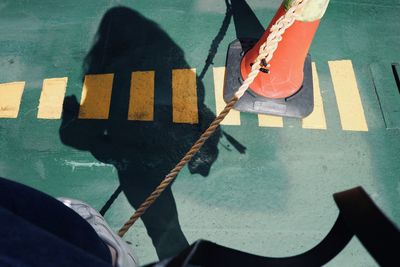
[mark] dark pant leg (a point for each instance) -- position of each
(162, 224)
(161, 219)
(25, 244)
(52, 216)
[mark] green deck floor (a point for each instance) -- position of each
(275, 199)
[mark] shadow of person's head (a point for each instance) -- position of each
(128, 41)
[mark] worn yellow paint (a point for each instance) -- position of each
(347, 96)
(270, 121)
(233, 117)
(141, 104)
(10, 99)
(96, 96)
(184, 96)
(52, 98)
(316, 120)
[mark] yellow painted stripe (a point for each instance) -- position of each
(233, 117)
(141, 104)
(316, 120)
(270, 121)
(96, 96)
(184, 96)
(52, 98)
(10, 99)
(347, 96)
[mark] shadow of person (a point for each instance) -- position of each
(143, 152)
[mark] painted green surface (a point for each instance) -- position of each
(276, 198)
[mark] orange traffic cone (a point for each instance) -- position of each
(284, 86)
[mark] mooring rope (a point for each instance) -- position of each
(266, 53)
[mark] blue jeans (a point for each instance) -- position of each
(38, 230)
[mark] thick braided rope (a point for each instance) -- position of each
(265, 53)
(174, 172)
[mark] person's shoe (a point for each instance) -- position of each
(125, 257)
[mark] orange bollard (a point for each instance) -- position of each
(285, 75)
(284, 87)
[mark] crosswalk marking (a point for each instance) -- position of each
(347, 96)
(97, 90)
(141, 104)
(270, 121)
(96, 96)
(316, 120)
(233, 117)
(10, 99)
(52, 98)
(184, 96)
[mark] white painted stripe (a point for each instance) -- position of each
(316, 120)
(10, 99)
(233, 118)
(141, 104)
(96, 96)
(52, 98)
(347, 96)
(184, 96)
(270, 121)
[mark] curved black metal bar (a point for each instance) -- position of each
(375, 231)
(211, 254)
(358, 216)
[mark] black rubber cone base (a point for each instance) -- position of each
(299, 105)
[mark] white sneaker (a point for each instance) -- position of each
(125, 256)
